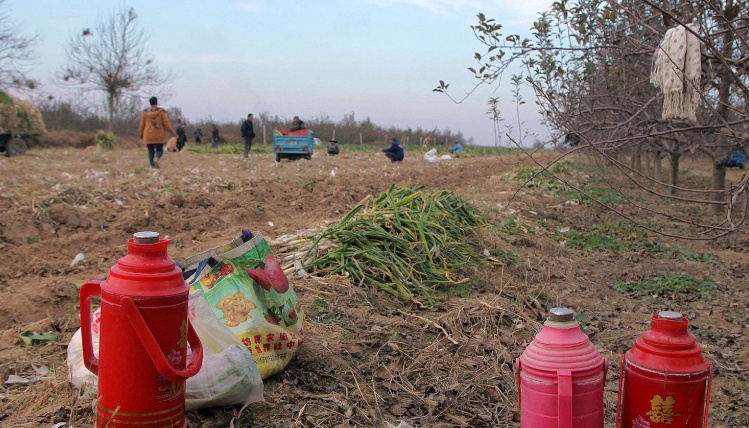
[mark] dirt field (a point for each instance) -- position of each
(367, 359)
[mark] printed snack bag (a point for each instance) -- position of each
(249, 293)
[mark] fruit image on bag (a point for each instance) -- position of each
(247, 290)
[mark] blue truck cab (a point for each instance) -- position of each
(293, 144)
(736, 158)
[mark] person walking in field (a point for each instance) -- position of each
(214, 137)
(198, 134)
(153, 127)
(248, 133)
(181, 135)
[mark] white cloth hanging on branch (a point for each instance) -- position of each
(676, 72)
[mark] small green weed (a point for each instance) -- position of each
(589, 193)
(620, 228)
(326, 316)
(689, 254)
(547, 183)
(583, 319)
(589, 241)
(509, 259)
(563, 167)
(706, 334)
(525, 173)
(666, 284)
(509, 226)
(105, 141)
(659, 249)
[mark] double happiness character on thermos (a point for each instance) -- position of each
(665, 381)
(560, 377)
(144, 335)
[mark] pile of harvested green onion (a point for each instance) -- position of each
(410, 242)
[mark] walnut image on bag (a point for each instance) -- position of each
(236, 308)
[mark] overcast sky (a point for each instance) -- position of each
(376, 58)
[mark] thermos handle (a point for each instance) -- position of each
(620, 397)
(88, 290)
(517, 377)
(707, 399)
(564, 381)
(153, 349)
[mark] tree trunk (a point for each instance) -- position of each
(637, 159)
(674, 171)
(632, 160)
(648, 165)
(110, 107)
(657, 166)
(719, 183)
(723, 110)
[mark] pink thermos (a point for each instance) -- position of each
(560, 377)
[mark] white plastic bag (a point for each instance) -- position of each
(78, 374)
(431, 156)
(229, 374)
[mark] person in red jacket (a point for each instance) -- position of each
(154, 125)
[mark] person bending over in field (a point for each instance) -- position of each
(395, 151)
(456, 149)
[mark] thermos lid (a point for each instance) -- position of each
(146, 237)
(146, 270)
(561, 315)
(561, 345)
(667, 347)
(669, 315)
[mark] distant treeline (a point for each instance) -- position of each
(64, 116)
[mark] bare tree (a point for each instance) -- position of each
(16, 52)
(112, 58)
(589, 61)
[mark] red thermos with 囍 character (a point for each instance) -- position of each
(665, 380)
(142, 364)
(560, 377)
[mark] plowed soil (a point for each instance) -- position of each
(367, 360)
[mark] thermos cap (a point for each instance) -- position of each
(146, 237)
(669, 315)
(561, 315)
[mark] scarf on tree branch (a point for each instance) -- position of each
(676, 72)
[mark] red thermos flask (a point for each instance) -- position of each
(665, 380)
(144, 333)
